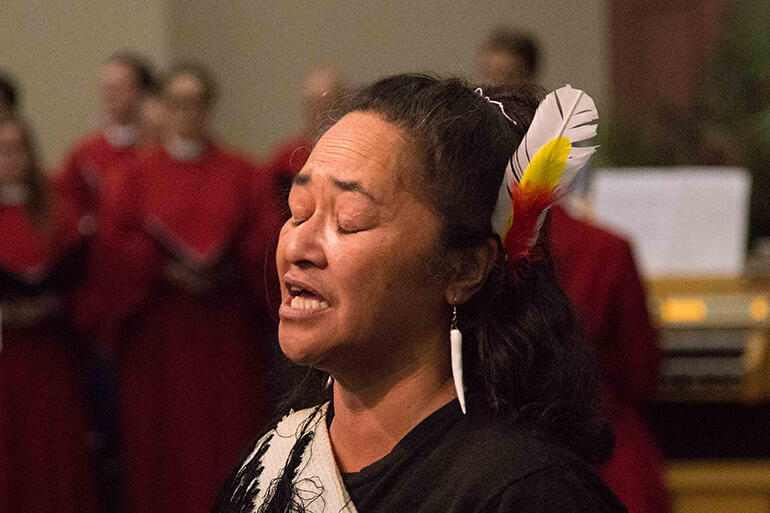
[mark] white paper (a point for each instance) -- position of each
(681, 221)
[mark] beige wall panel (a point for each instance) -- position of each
(54, 49)
(259, 50)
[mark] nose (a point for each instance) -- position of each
(303, 245)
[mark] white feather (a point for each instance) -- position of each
(503, 206)
(566, 112)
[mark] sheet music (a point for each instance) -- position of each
(681, 221)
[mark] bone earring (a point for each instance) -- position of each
(456, 343)
(329, 381)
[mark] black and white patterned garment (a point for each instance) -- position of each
(450, 462)
(298, 447)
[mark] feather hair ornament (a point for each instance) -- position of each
(542, 167)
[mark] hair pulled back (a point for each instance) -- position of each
(522, 351)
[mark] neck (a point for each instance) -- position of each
(13, 193)
(184, 149)
(369, 420)
(120, 135)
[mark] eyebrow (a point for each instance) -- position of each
(353, 186)
(343, 185)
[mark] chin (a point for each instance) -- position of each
(299, 348)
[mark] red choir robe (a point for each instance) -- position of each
(45, 464)
(187, 248)
(85, 170)
(596, 269)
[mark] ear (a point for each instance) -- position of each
(471, 271)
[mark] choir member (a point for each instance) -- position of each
(44, 459)
(508, 58)
(185, 241)
(90, 168)
(319, 87)
(596, 269)
(124, 80)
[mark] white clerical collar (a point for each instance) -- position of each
(120, 136)
(184, 149)
(13, 194)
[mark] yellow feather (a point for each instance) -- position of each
(547, 166)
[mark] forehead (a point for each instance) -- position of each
(499, 58)
(364, 147)
(185, 84)
(114, 71)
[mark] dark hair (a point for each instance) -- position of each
(8, 92)
(145, 79)
(37, 204)
(518, 44)
(200, 72)
(522, 353)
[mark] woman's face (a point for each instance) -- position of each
(185, 107)
(120, 92)
(13, 154)
(354, 258)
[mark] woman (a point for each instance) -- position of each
(44, 459)
(184, 240)
(395, 237)
(124, 81)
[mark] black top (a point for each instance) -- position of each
(453, 462)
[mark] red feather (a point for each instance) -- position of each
(528, 205)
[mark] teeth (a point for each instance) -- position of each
(301, 303)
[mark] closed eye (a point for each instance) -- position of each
(343, 231)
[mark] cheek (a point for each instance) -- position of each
(281, 262)
(382, 278)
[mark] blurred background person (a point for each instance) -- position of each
(8, 97)
(124, 80)
(185, 239)
(152, 121)
(319, 87)
(91, 168)
(44, 458)
(508, 58)
(597, 271)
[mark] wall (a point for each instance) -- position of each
(260, 50)
(53, 48)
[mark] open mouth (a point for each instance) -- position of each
(304, 298)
